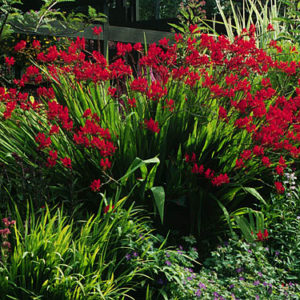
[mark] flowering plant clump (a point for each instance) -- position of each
(232, 103)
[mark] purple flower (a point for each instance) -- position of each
(168, 263)
(249, 251)
(189, 278)
(259, 274)
(198, 293)
(202, 285)
(239, 270)
(242, 278)
(276, 253)
(216, 294)
(231, 286)
(128, 256)
(135, 254)
(264, 283)
(256, 282)
(256, 297)
(168, 254)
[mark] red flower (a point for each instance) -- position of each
(222, 113)
(279, 170)
(20, 46)
(260, 236)
(108, 208)
(220, 179)
(10, 61)
(105, 163)
(87, 113)
(266, 234)
(51, 160)
(95, 185)
(152, 125)
(97, 30)
(42, 140)
(132, 102)
(54, 129)
(138, 47)
(36, 44)
(66, 161)
(193, 28)
(279, 187)
(266, 161)
(270, 27)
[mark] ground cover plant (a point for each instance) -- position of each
(203, 123)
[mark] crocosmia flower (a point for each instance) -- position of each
(95, 185)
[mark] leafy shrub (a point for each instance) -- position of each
(54, 257)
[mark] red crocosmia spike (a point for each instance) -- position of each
(270, 27)
(260, 236)
(66, 161)
(193, 28)
(87, 113)
(266, 161)
(20, 46)
(95, 185)
(152, 125)
(131, 102)
(266, 234)
(108, 208)
(54, 129)
(105, 164)
(10, 61)
(279, 187)
(279, 170)
(282, 162)
(138, 47)
(220, 179)
(97, 30)
(36, 44)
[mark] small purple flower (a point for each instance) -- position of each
(216, 294)
(259, 274)
(256, 282)
(198, 293)
(128, 256)
(231, 286)
(239, 270)
(242, 279)
(180, 247)
(267, 249)
(168, 263)
(168, 254)
(276, 253)
(249, 251)
(189, 278)
(264, 283)
(190, 270)
(256, 297)
(202, 285)
(135, 254)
